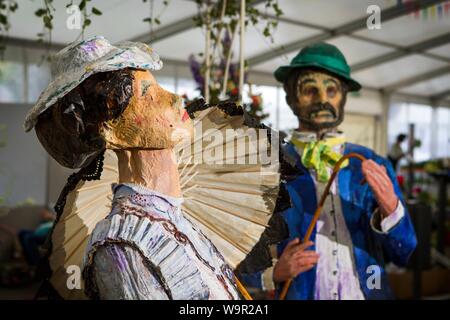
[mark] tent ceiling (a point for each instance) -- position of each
(325, 13)
(408, 30)
(357, 51)
(391, 72)
(433, 86)
(192, 41)
(443, 51)
(409, 54)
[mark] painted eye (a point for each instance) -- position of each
(145, 84)
(331, 92)
(310, 91)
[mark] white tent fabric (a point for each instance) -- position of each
(341, 22)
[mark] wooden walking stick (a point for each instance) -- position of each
(336, 169)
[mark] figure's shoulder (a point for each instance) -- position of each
(365, 152)
(288, 152)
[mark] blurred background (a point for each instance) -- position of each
(398, 50)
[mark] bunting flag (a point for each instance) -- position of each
(437, 11)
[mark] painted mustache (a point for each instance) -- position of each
(321, 109)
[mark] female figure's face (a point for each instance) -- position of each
(153, 119)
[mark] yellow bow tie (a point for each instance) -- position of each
(319, 155)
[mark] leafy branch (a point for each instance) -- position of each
(225, 15)
(6, 8)
(46, 14)
(155, 19)
(83, 7)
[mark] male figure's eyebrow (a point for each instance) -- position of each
(326, 81)
(307, 80)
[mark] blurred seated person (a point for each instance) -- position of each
(31, 239)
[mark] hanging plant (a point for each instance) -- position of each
(46, 14)
(226, 13)
(86, 14)
(219, 76)
(154, 19)
(6, 8)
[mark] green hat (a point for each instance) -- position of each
(323, 56)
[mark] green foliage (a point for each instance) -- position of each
(232, 12)
(45, 13)
(7, 7)
(254, 16)
(154, 19)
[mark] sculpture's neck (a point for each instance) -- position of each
(154, 169)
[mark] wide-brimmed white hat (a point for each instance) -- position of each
(79, 60)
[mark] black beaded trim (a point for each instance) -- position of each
(229, 107)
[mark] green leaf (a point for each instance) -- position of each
(276, 8)
(87, 22)
(149, 20)
(40, 12)
(13, 7)
(96, 11)
(82, 4)
(157, 21)
(47, 22)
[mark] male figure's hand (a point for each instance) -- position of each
(381, 185)
(294, 260)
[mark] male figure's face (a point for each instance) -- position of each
(319, 100)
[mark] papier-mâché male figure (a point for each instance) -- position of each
(361, 223)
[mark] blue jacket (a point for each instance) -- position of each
(358, 204)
